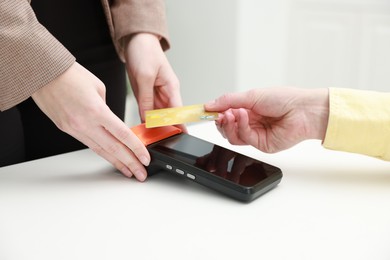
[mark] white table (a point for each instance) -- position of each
(329, 205)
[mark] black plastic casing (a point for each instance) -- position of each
(169, 162)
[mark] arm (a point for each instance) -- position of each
(272, 119)
(129, 17)
(139, 30)
(275, 119)
(75, 102)
(30, 56)
(359, 122)
(35, 64)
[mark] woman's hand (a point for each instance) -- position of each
(272, 119)
(152, 78)
(75, 102)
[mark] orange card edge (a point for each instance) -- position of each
(152, 135)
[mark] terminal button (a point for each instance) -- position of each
(169, 167)
(180, 171)
(191, 176)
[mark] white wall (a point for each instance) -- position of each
(221, 46)
(340, 43)
(262, 42)
(203, 54)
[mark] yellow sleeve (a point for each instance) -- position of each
(359, 122)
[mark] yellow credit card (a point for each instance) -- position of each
(178, 115)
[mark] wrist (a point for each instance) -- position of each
(143, 36)
(141, 42)
(318, 110)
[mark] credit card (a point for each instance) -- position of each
(178, 115)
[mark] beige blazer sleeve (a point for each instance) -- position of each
(128, 17)
(30, 57)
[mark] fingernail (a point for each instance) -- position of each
(126, 172)
(144, 160)
(210, 103)
(141, 176)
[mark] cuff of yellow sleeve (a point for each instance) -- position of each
(359, 122)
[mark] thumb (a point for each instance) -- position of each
(227, 101)
(145, 96)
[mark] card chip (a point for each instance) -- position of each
(178, 115)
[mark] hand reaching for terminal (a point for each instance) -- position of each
(75, 102)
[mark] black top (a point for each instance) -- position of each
(80, 25)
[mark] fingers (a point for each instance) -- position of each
(230, 123)
(145, 93)
(244, 130)
(230, 100)
(101, 152)
(118, 140)
(122, 133)
(228, 126)
(118, 146)
(159, 90)
(183, 128)
(152, 78)
(75, 103)
(167, 85)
